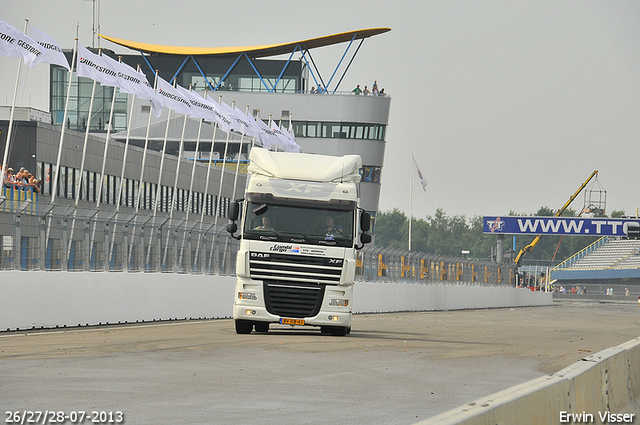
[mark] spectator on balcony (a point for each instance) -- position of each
(9, 178)
(366, 91)
(357, 90)
(374, 88)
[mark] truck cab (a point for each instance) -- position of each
(300, 227)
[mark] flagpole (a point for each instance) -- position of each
(175, 182)
(206, 193)
(84, 146)
(144, 154)
(193, 173)
(13, 108)
(193, 167)
(206, 184)
(410, 201)
(235, 179)
(106, 148)
(164, 148)
(126, 150)
(219, 200)
(64, 122)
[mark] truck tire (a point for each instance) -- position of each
(339, 331)
(262, 327)
(243, 327)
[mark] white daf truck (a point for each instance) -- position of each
(300, 227)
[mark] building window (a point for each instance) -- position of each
(370, 174)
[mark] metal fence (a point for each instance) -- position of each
(385, 265)
(66, 238)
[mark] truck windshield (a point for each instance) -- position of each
(299, 224)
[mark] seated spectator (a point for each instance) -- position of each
(313, 90)
(382, 93)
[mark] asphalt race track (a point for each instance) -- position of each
(392, 369)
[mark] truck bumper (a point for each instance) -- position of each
(256, 311)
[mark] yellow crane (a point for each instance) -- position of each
(524, 251)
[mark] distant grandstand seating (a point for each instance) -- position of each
(612, 253)
(606, 254)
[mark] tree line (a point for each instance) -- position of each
(441, 234)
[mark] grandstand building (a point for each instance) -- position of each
(609, 260)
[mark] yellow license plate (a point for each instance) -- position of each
(299, 322)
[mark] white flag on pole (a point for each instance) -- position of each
(248, 125)
(200, 107)
(96, 68)
(423, 181)
(52, 53)
(16, 44)
(267, 137)
(221, 117)
(8, 40)
(135, 82)
(172, 98)
(284, 139)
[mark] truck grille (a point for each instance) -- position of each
(293, 300)
(295, 268)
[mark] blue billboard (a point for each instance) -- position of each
(577, 226)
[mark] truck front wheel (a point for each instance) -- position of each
(334, 330)
(262, 327)
(243, 327)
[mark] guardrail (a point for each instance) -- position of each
(601, 388)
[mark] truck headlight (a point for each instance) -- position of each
(247, 296)
(338, 303)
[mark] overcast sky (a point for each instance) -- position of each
(506, 105)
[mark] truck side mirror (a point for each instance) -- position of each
(365, 221)
(234, 211)
(365, 238)
(232, 228)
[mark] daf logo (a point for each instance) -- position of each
(259, 255)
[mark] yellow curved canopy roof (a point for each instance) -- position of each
(253, 51)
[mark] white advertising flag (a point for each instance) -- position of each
(423, 182)
(135, 82)
(200, 107)
(220, 117)
(248, 125)
(96, 67)
(16, 44)
(172, 98)
(52, 53)
(284, 139)
(230, 113)
(8, 40)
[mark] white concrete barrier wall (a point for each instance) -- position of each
(56, 299)
(606, 383)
